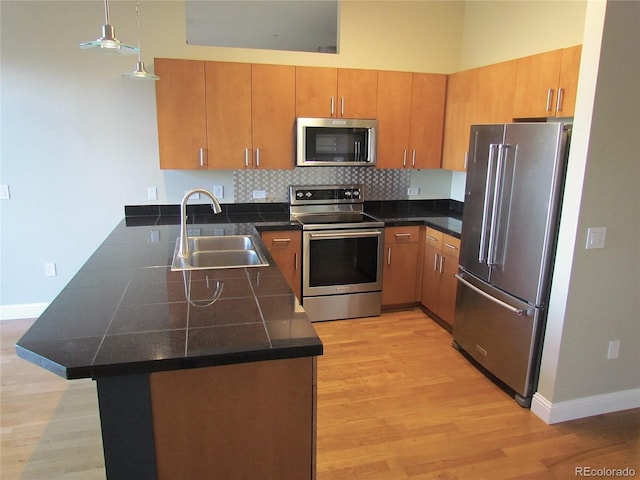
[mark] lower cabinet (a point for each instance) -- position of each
(400, 271)
(440, 264)
(286, 249)
(248, 420)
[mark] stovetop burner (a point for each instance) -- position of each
(319, 207)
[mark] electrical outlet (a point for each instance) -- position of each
(193, 196)
(614, 349)
(50, 269)
(218, 191)
(259, 194)
(4, 192)
(413, 191)
(596, 237)
(152, 193)
(154, 236)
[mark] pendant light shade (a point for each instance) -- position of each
(140, 71)
(108, 42)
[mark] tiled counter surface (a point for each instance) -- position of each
(126, 312)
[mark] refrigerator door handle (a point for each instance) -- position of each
(496, 206)
(482, 251)
(511, 308)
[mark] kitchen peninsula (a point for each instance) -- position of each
(186, 386)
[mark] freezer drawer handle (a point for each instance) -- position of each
(511, 308)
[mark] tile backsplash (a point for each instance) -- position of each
(380, 184)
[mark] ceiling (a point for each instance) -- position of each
(298, 25)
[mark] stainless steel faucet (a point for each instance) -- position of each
(215, 206)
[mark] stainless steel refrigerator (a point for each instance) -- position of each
(515, 177)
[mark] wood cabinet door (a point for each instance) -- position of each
(400, 272)
(536, 85)
(426, 128)
(394, 116)
(286, 249)
(496, 84)
(316, 91)
(448, 282)
(357, 93)
(182, 122)
(568, 85)
(228, 106)
(462, 88)
(273, 109)
(430, 277)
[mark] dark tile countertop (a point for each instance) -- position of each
(126, 312)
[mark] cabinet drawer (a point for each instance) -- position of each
(433, 238)
(280, 240)
(450, 245)
(401, 234)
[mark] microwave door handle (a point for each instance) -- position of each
(482, 253)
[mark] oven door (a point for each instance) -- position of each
(336, 262)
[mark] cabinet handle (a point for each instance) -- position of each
(404, 158)
(429, 237)
(257, 157)
(389, 256)
(413, 158)
(452, 247)
(441, 263)
(295, 261)
(466, 159)
(549, 98)
(435, 261)
(342, 106)
(202, 157)
(559, 100)
(281, 240)
(401, 235)
(246, 157)
(333, 105)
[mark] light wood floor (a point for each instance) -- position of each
(395, 401)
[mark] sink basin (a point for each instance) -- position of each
(232, 251)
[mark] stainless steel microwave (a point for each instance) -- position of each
(335, 142)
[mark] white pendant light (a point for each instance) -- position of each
(108, 42)
(140, 71)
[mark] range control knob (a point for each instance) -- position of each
(347, 193)
(308, 194)
(356, 193)
(299, 194)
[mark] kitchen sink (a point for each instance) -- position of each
(231, 251)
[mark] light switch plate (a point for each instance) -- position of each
(596, 237)
(259, 194)
(218, 191)
(4, 192)
(152, 193)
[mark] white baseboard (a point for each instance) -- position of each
(25, 310)
(584, 407)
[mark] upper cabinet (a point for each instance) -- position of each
(410, 119)
(181, 111)
(221, 115)
(273, 113)
(326, 92)
(480, 95)
(546, 84)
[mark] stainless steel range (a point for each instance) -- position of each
(342, 251)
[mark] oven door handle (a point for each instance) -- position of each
(362, 234)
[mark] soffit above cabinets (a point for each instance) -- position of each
(307, 25)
